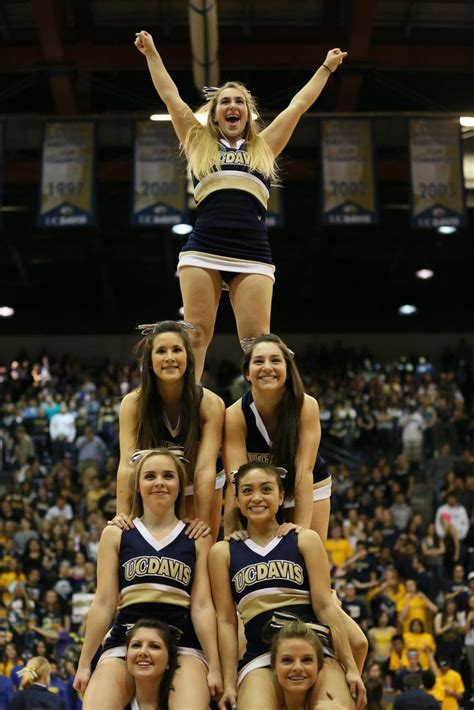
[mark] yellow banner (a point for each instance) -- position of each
(348, 184)
(159, 196)
(67, 175)
(437, 183)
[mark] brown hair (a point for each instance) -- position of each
(136, 503)
(169, 639)
(286, 438)
(150, 431)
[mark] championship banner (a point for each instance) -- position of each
(437, 183)
(275, 216)
(67, 197)
(348, 184)
(159, 187)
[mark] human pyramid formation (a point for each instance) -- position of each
(249, 621)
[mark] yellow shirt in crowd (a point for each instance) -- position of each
(339, 551)
(420, 642)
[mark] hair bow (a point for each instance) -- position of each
(209, 92)
(151, 328)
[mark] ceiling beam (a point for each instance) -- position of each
(49, 30)
(359, 23)
(244, 55)
(27, 172)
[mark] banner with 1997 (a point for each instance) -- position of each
(67, 192)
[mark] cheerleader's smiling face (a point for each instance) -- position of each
(259, 494)
(296, 665)
(147, 654)
(231, 113)
(267, 367)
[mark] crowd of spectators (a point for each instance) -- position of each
(399, 439)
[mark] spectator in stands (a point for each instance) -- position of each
(414, 696)
(62, 431)
(419, 639)
(90, 449)
(338, 548)
(61, 509)
(380, 638)
(433, 549)
(401, 511)
(449, 684)
(354, 606)
(458, 516)
(449, 628)
(415, 605)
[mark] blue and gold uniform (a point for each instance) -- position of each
(270, 585)
(259, 445)
(173, 439)
(230, 233)
(155, 580)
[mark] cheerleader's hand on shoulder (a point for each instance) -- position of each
(334, 58)
(122, 521)
(144, 43)
(197, 528)
(214, 682)
(237, 535)
(285, 528)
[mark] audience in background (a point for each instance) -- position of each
(399, 442)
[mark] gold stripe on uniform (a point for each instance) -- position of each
(271, 602)
(149, 594)
(239, 181)
(325, 482)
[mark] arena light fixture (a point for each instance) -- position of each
(447, 229)
(181, 311)
(6, 311)
(467, 121)
(181, 229)
(424, 274)
(160, 117)
(407, 309)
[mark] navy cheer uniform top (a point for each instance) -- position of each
(155, 580)
(259, 446)
(230, 232)
(36, 697)
(269, 583)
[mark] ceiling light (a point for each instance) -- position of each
(6, 311)
(181, 311)
(407, 310)
(181, 229)
(160, 117)
(447, 229)
(467, 121)
(424, 274)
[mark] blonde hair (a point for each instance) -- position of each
(36, 668)
(201, 143)
(136, 502)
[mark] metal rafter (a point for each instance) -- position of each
(359, 22)
(49, 29)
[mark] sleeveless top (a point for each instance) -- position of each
(155, 580)
(233, 196)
